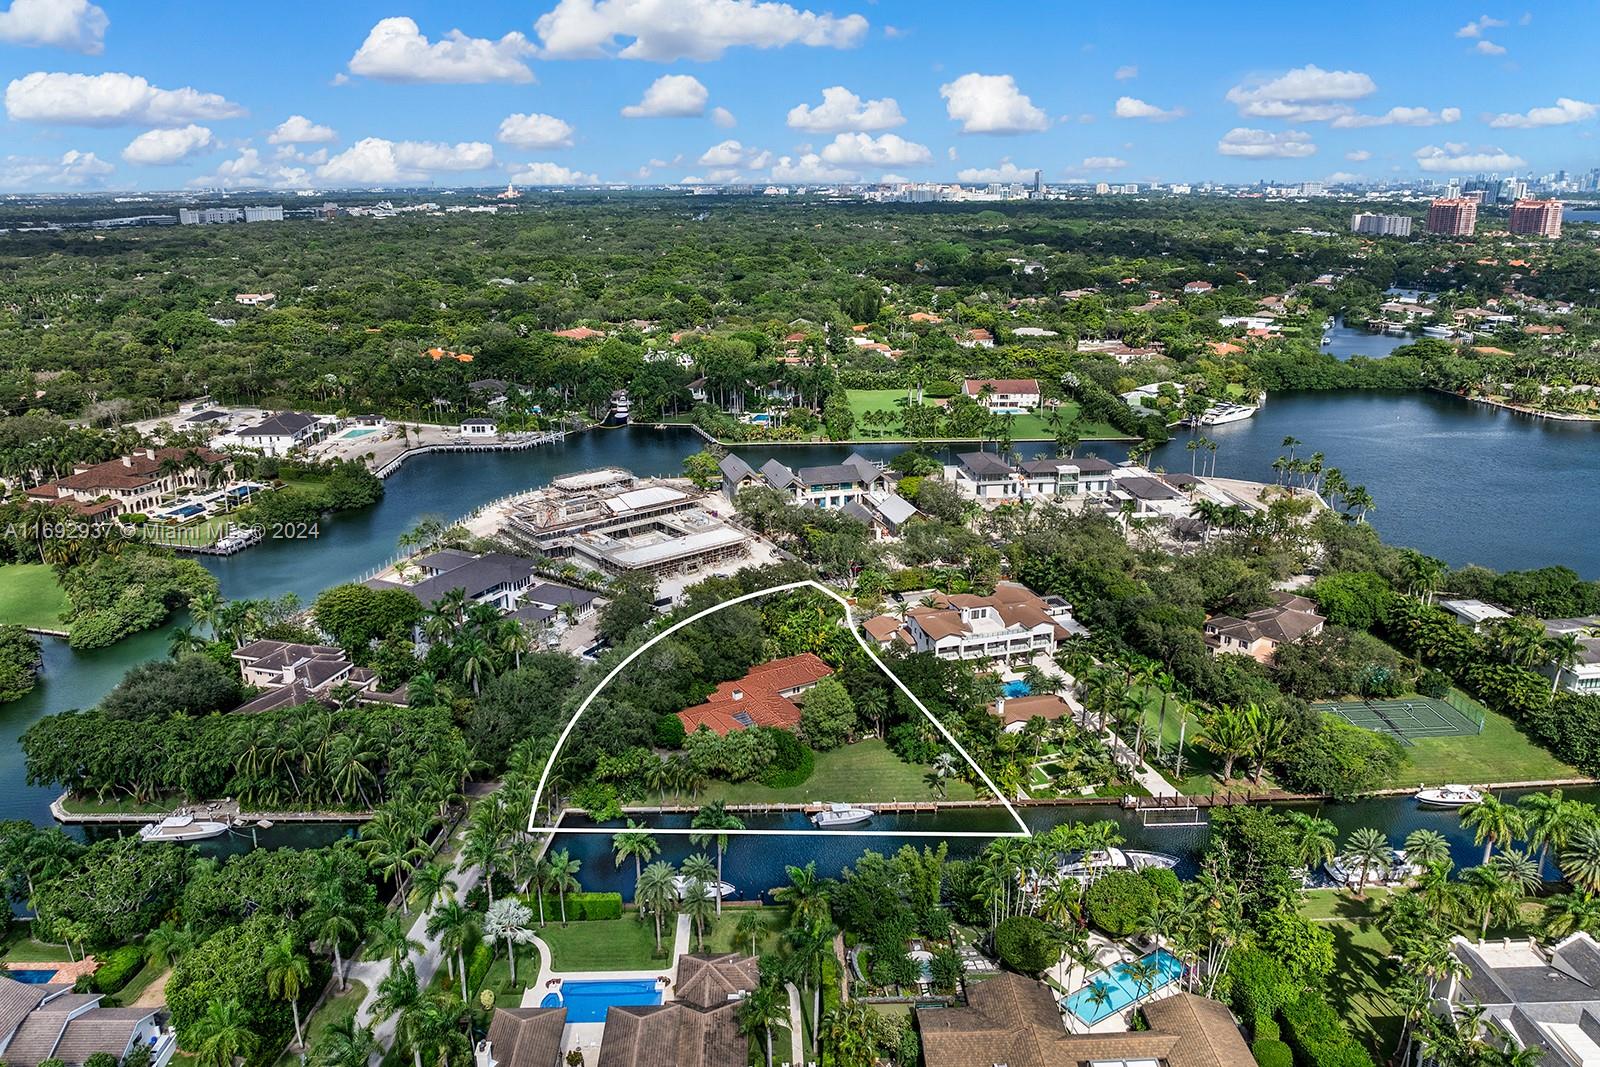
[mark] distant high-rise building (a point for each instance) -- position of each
(1313, 188)
(208, 216)
(1456, 217)
(1102, 188)
(264, 214)
(1038, 181)
(1452, 188)
(1381, 225)
(1542, 217)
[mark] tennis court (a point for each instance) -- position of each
(1417, 716)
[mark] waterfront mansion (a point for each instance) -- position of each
(1015, 623)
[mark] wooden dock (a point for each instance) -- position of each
(517, 443)
(221, 810)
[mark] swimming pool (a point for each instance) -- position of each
(1119, 989)
(188, 511)
(351, 435)
(34, 976)
(1015, 689)
(587, 1002)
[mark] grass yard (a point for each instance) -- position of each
(624, 944)
(333, 1010)
(31, 596)
(1502, 753)
(723, 935)
(507, 991)
(26, 950)
(1025, 428)
(1362, 971)
(203, 532)
(865, 771)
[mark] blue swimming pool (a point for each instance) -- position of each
(1118, 989)
(350, 435)
(188, 511)
(36, 976)
(587, 1002)
(1015, 689)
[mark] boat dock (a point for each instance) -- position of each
(901, 807)
(238, 541)
(511, 443)
(228, 811)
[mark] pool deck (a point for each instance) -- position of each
(585, 1037)
(67, 971)
(1107, 954)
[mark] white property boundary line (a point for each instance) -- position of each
(849, 616)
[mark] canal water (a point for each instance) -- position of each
(1427, 459)
(1346, 341)
(757, 864)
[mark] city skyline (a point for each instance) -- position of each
(113, 96)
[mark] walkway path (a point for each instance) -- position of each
(797, 1016)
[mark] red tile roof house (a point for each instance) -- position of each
(133, 483)
(763, 697)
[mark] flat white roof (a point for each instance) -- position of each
(647, 497)
(672, 548)
(1474, 610)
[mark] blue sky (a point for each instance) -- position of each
(163, 95)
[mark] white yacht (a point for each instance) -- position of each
(1222, 414)
(725, 890)
(621, 408)
(1346, 870)
(182, 827)
(1448, 796)
(841, 815)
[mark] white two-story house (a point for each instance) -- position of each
(1004, 395)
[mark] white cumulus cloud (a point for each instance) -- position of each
(670, 96)
(551, 174)
(162, 147)
(665, 31)
(885, 150)
(73, 170)
(1007, 171)
(297, 129)
(536, 131)
(376, 161)
(1460, 157)
(808, 167)
(248, 170)
(1305, 94)
(843, 110)
(721, 116)
(75, 25)
(396, 50)
(1265, 144)
(1358, 155)
(1565, 111)
(991, 103)
(1487, 47)
(1476, 27)
(1130, 107)
(1104, 163)
(110, 99)
(1400, 116)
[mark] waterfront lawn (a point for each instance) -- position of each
(1502, 753)
(82, 805)
(1029, 427)
(1362, 971)
(31, 596)
(334, 1010)
(723, 935)
(865, 771)
(624, 944)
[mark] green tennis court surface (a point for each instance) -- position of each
(1417, 716)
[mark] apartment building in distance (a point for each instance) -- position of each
(1381, 225)
(1453, 217)
(1540, 217)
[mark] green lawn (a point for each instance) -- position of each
(26, 950)
(82, 805)
(865, 771)
(1502, 753)
(1025, 428)
(333, 1010)
(1362, 971)
(31, 596)
(507, 990)
(203, 532)
(723, 935)
(140, 982)
(624, 944)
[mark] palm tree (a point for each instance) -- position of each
(223, 1034)
(507, 919)
(287, 973)
(344, 1044)
(539, 878)
(715, 818)
(750, 925)
(806, 895)
(656, 892)
(766, 1006)
(391, 937)
(563, 874)
(1580, 860)
(1564, 650)
(698, 905)
(167, 943)
(1548, 819)
(398, 996)
(455, 926)
(1269, 731)
(1315, 839)
(1229, 733)
(1144, 973)
(634, 843)
(1490, 891)
(1427, 847)
(1570, 912)
(1492, 823)
(810, 947)
(433, 882)
(1367, 848)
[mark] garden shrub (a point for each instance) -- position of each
(1120, 902)
(792, 762)
(583, 907)
(1433, 683)
(1318, 1036)
(1259, 986)
(1168, 887)
(1270, 1052)
(1024, 944)
(117, 967)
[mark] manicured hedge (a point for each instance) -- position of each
(792, 762)
(1270, 1053)
(582, 907)
(117, 967)
(1318, 1036)
(1259, 987)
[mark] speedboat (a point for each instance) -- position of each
(841, 815)
(1346, 870)
(724, 890)
(180, 828)
(1448, 796)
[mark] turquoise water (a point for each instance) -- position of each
(351, 435)
(1122, 989)
(38, 976)
(588, 1002)
(1015, 689)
